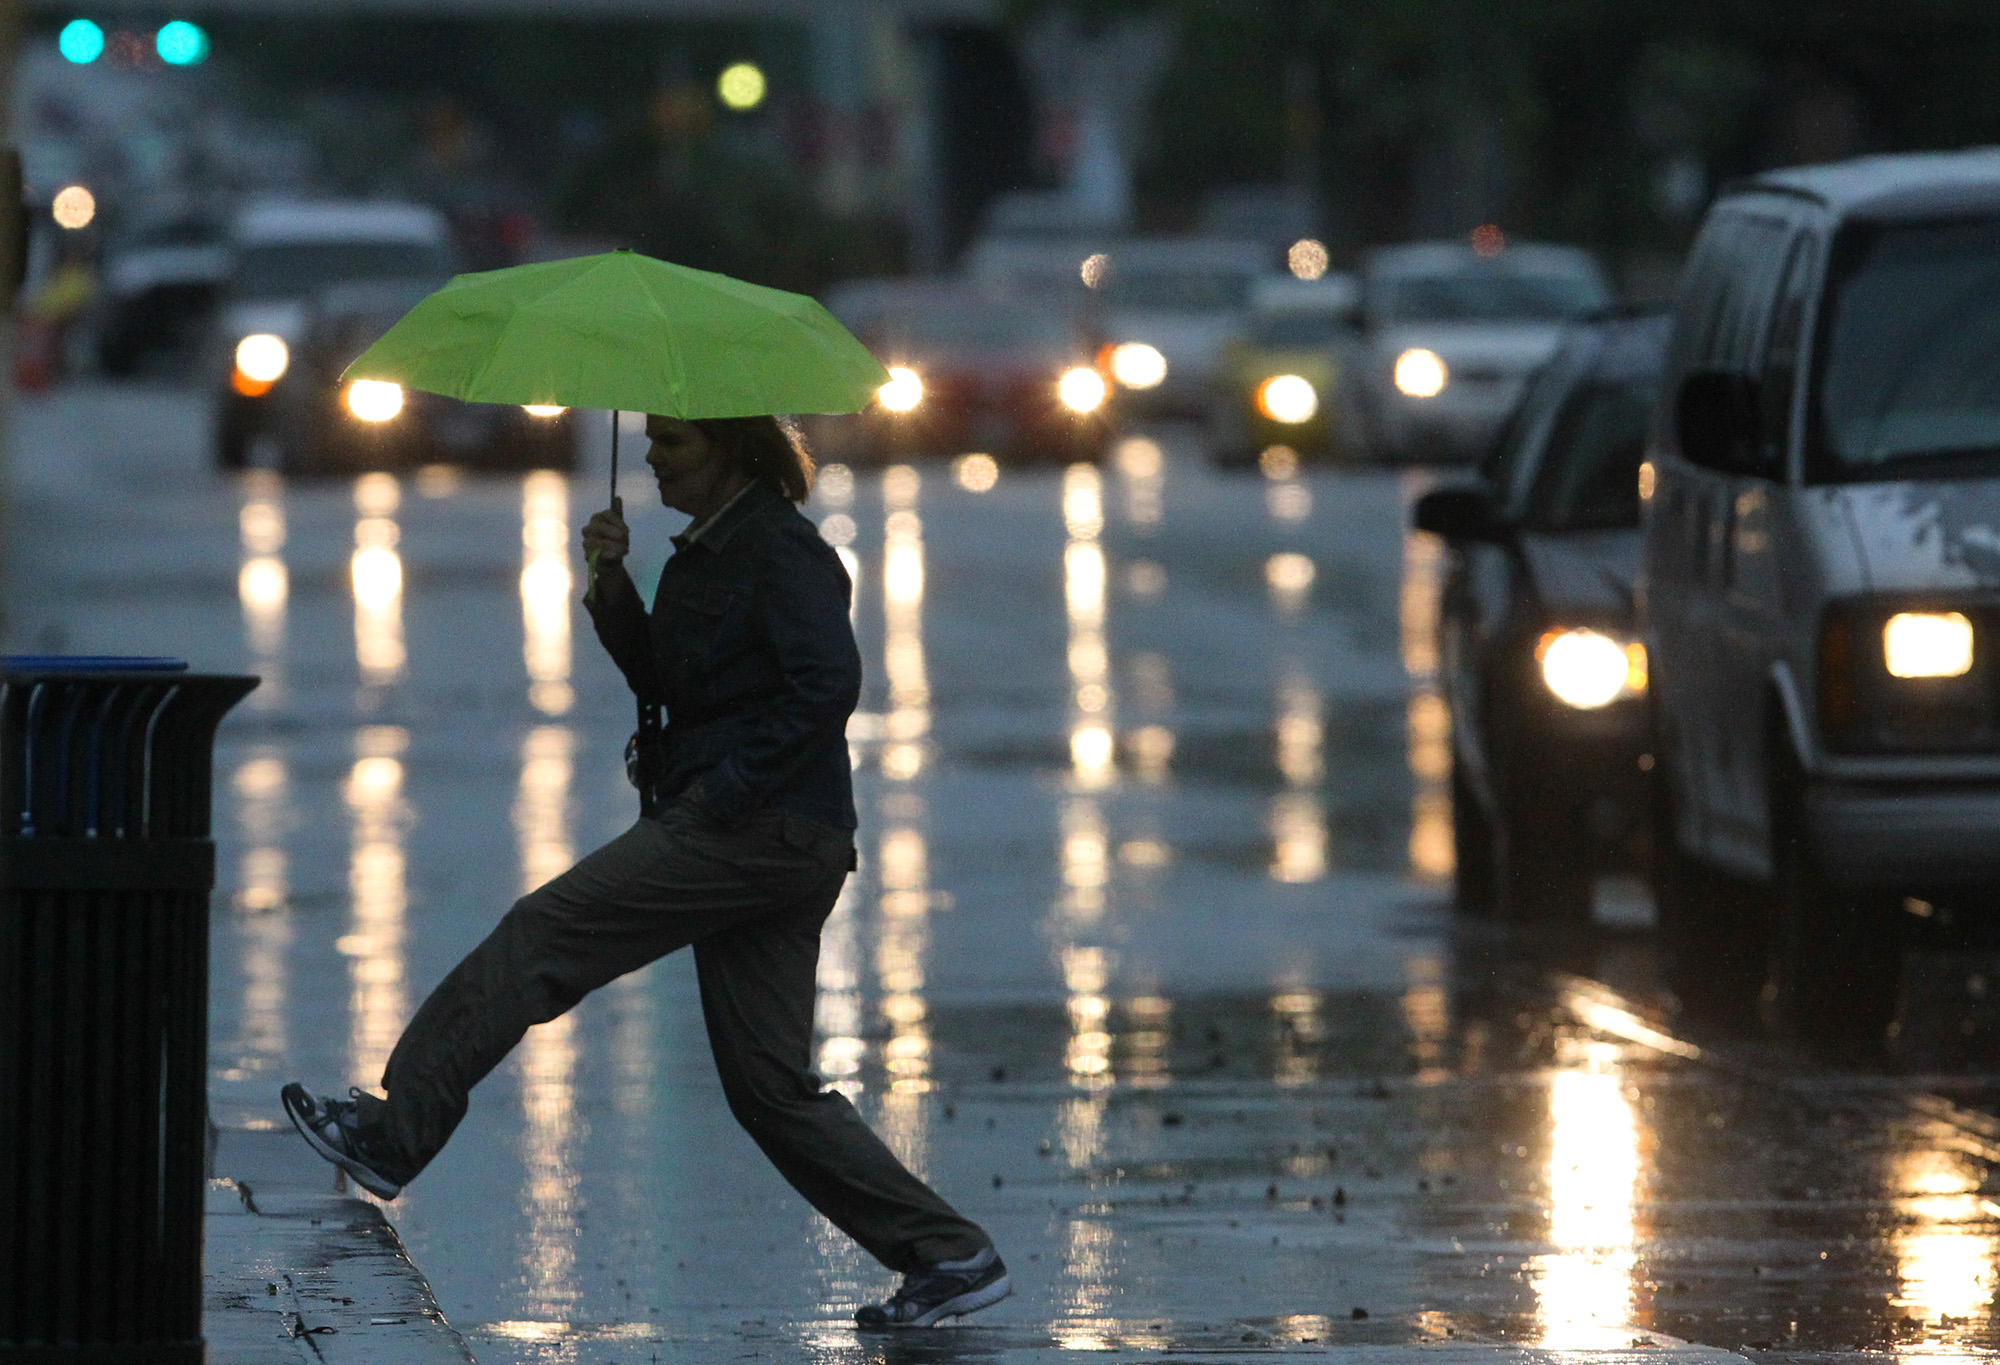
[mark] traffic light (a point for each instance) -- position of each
(81, 42)
(180, 43)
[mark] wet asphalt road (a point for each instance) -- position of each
(1149, 965)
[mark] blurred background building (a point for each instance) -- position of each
(803, 141)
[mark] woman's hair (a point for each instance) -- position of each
(766, 446)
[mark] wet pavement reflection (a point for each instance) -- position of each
(1148, 964)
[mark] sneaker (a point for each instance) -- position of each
(948, 1289)
(333, 1128)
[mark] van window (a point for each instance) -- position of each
(1907, 381)
(296, 269)
(1781, 352)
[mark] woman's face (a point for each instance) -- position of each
(684, 461)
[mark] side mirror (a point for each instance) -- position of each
(1717, 418)
(1461, 512)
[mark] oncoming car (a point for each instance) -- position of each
(1280, 379)
(321, 424)
(307, 287)
(1453, 332)
(972, 373)
(1543, 667)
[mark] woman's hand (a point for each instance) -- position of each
(606, 538)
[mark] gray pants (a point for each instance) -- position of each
(751, 899)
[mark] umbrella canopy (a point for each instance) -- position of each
(630, 333)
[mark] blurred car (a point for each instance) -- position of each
(1453, 333)
(1168, 306)
(323, 426)
(281, 258)
(1280, 378)
(1542, 665)
(973, 373)
(160, 290)
(1822, 581)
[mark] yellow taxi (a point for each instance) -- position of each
(1281, 373)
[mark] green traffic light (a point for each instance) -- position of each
(81, 42)
(180, 43)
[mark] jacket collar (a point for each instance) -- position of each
(753, 500)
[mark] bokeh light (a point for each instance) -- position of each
(73, 207)
(81, 42)
(180, 43)
(1488, 240)
(1095, 268)
(975, 473)
(1307, 259)
(741, 86)
(904, 390)
(1138, 366)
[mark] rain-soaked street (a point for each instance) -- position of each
(1149, 965)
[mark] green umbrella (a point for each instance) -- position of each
(629, 333)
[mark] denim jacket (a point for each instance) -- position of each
(749, 651)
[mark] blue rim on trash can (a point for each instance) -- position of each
(90, 663)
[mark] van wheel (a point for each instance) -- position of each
(1837, 951)
(1473, 854)
(1713, 928)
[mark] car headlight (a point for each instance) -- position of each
(1927, 644)
(1138, 366)
(1081, 389)
(1288, 398)
(904, 390)
(543, 409)
(1421, 373)
(262, 359)
(1588, 669)
(374, 400)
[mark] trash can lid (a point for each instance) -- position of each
(89, 663)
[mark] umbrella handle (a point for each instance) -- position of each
(614, 457)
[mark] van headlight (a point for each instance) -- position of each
(1927, 644)
(374, 400)
(1588, 669)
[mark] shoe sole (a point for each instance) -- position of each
(971, 1301)
(363, 1176)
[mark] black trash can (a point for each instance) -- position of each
(105, 871)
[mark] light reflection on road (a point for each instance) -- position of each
(263, 915)
(546, 584)
(263, 585)
(1584, 1290)
(378, 884)
(1946, 1252)
(1431, 851)
(377, 573)
(547, 1056)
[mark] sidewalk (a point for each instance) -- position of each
(298, 1273)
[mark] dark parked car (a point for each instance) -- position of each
(1543, 669)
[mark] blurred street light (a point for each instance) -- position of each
(741, 86)
(81, 41)
(1307, 259)
(73, 207)
(180, 43)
